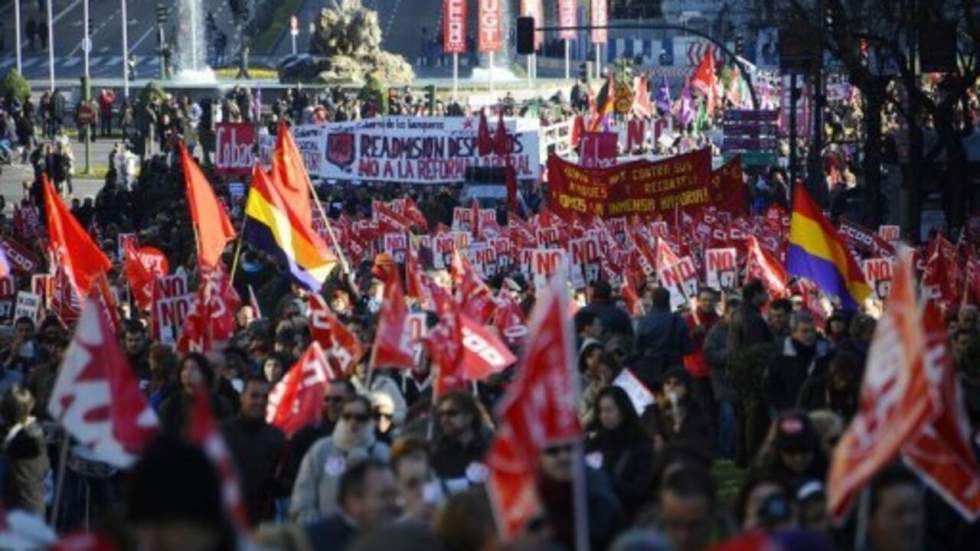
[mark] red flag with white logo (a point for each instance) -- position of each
(763, 266)
(211, 320)
(342, 347)
(392, 342)
(897, 398)
(297, 400)
(539, 409)
(96, 397)
(941, 453)
(484, 354)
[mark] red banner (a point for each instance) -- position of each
(454, 26)
(728, 192)
(599, 18)
(489, 38)
(21, 258)
(235, 142)
(640, 188)
(567, 18)
(598, 149)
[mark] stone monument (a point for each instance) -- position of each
(346, 47)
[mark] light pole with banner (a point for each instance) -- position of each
(20, 68)
(125, 48)
(50, 46)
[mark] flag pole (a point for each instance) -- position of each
(333, 238)
(60, 482)
(238, 252)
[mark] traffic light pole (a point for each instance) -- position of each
(20, 68)
(50, 46)
(652, 27)
(125, 49)
(86, 40)
(87, 100)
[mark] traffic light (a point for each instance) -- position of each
(525, 35)
(88, 29)
(739, 45)
(162, 13)
(430, 97)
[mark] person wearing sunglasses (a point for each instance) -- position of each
(461, 442)
(353, 440)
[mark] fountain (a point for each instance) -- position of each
(191, 58)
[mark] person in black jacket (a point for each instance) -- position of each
(622, 448)
(257, 449)
(461, 443)
(615, 320)
(676, 417)
(174, 411)
(794, 455)
(751, 326)
(24, 452)
(803, 355)
(662, 339)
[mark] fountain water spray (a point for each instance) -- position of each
(192, 47)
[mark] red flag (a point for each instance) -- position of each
(389, 220)
(71, 246)
(96, 397)
(501, 144)
(213, 228)
(142, 266)
(939, 279)
(578, 130)
(484, 142)
(392, 346)
(415, 214)
(941, 453)
(483, 352)
(414, 286)
(289, 175)
(762, 265)
(211, 320)
(703, 78)
(444, 343)
(475, 217)
(475, 298)
(297, 400)
(509, 319)
(642, 106)
(204, 432)
(342, 346)
(897, 400)
(539, 409)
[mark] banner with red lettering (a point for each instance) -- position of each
(489, 30)
(721, 268)
(454, 26)
(21, 258)
(641, 188)
(878, 272)
(567, 17)
(728, 190)
(235, 146)
(599, 12)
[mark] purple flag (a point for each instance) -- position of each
(663, 96)
(686, 113)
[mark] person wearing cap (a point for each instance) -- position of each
(794, 454)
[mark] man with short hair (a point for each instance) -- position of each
(804, 355)
(615, 320)
(662, 339)
(898, 515)
(366, 499)
(778, 318)
(258, 450)
(752, 327)
(588, 327)
(418, 491)
(968, 319)
(686, 508)
(24, 352)
(137, 349)
(699, 321)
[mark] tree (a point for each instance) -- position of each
(855, 32)
(14, 85)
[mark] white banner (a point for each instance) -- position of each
(721, 268)
(419, 150)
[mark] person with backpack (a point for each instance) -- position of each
(662, 339)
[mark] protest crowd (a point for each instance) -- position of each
(290, 325)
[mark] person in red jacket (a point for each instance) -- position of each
(106, 100)
(699, 321)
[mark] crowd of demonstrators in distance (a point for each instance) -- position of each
(739, 381)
